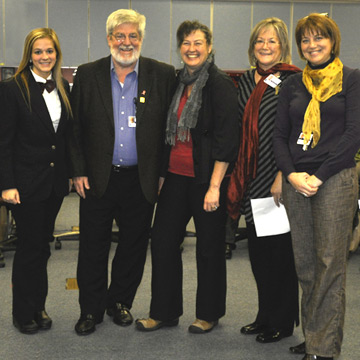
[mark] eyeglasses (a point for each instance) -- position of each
(133, 37)
(269, 43)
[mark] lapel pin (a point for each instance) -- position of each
(142, 98)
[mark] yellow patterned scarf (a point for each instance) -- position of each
(322, 84)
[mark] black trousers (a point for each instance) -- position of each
(180, 199)
(272, 263)
(35, 223)
(124, 199)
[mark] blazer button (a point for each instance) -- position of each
(53, 147)
(52, 164)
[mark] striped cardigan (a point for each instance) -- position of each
(267, 169)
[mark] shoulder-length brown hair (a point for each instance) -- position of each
(25, 63)
(282, 33)
(318, 24)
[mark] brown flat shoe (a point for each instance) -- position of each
(202, 326)
(152, 324)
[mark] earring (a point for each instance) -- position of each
(30, 61)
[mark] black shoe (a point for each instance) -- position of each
(253, 328)
(228, 252)
(298, 349)
(43, 320)
(316, 357)
(121, 314)
(273, 335)
(86, 324)
(30, 327)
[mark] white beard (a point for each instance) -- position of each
(125, 61)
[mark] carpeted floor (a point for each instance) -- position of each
(113, 342)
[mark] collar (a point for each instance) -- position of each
(39, 78)
(322, 66)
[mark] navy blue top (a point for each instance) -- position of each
(340, 128)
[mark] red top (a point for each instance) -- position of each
(181, 155)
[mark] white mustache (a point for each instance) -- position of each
(126, 47)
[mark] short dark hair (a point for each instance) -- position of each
(318, 24)
(187, 27)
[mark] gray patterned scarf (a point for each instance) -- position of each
(189, 115)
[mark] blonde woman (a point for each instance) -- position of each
(35, 113)
(257, 176)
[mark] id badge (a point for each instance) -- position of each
(131, 121)
(301, 141)
(272, 81)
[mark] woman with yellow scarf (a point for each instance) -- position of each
(316, 136)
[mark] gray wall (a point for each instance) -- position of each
(80, 25)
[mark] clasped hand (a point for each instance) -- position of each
(304, 183)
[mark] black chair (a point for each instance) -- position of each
(7, 232)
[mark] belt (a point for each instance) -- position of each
(118, 168)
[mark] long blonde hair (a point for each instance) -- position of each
(25, 63)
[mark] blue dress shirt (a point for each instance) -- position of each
(124, 108)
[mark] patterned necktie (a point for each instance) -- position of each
(49, 86)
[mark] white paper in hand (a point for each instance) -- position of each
(268, 218)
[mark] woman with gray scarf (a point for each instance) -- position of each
(202, 141)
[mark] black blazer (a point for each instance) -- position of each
(32, 155)
(92, 137)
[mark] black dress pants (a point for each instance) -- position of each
(124, 199)
(272, 263)
(35, 223)
(180, 199)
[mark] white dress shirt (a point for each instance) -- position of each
(52, 101)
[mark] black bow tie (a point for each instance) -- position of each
(49, 86)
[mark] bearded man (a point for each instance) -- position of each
(120, 105)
